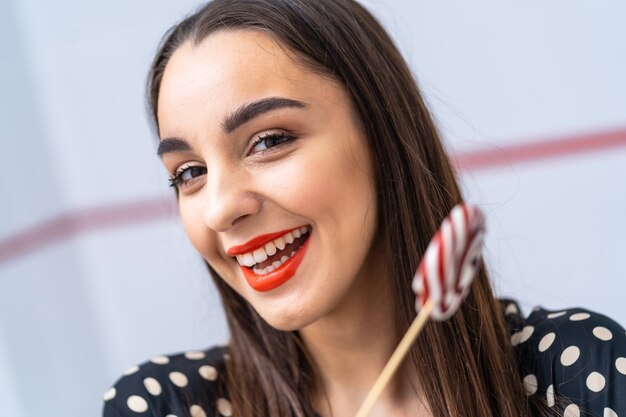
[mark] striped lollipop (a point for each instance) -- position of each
(450, 262)
(441, 283)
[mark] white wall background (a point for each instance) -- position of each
(75, 314)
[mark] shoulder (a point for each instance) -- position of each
(183, 384)
(575, 357)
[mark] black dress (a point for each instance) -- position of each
(574, 357)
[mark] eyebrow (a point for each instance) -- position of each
(254, 109)
(239, 117)
(172, 145)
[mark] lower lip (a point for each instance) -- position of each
(278, 276)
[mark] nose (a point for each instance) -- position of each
(230, 198)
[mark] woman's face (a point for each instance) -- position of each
(275, 179)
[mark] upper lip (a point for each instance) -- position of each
(257, 242)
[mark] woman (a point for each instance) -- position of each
(310, 178)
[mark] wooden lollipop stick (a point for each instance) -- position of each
(395, 360)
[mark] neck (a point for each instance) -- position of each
(351, 345)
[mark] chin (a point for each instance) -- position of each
(289, 318)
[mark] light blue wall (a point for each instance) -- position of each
(75, 314)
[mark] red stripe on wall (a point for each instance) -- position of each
(104, 218)
(68, 225)
(545, 149)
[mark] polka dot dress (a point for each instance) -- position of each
(575, 359)
(182, 385)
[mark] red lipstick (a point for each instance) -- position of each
(278, 276)
(256, 242)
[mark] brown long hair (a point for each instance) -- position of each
(466, 365)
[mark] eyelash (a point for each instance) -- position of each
(177, 180)
(282, 137)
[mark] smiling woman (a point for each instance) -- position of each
(271, 148)
(310, 178)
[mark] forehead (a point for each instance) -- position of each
(231, 67)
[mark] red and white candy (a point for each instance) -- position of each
(450, 262)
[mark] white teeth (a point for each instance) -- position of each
(261, 254)
(248, 260)
(269, 268)
(270, 248)
(280, 243)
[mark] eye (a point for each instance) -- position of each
(185, 174)
(270, 140)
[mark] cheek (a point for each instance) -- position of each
(330, 184)
(191, 216)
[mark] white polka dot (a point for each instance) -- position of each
(137, 404)
(170, 415)
(226, 356)
(194, 356)
(530, 384)
(522, 336)
(609, 413)
(550, 396)
(224, 407)
(152, 386)
(160, 360)
(511, 309)
(570, 355)
(526, 333)
(179, 379)
(571, 410)
(131, 371)
(196, 411)
(620, 365)
(595, 382)
(110, 394)
(602, 333)
(556, 314)
(579, 317)
(208, 372)
(546, 341)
